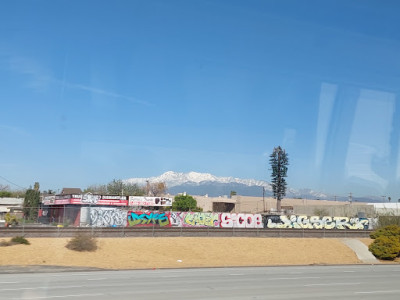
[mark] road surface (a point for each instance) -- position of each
(304, 282)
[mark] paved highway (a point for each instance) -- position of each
(309, 282)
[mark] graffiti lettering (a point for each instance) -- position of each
(176, 219)
(315, 222)
(106, 217)
(241, 220)
(148, 219)
(201, 219)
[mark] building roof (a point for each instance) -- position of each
(11, 201)
(68, 191)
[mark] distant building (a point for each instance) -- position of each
(12, 205)
(69, 191)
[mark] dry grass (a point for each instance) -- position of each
(82, 243)
(134, 253)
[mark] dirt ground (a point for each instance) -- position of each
(139, 253)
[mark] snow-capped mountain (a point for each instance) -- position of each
(175, 178)
(204, 183)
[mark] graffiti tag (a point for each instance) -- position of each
(241, 220)
(148, 219)
(106, 217)
(315, 222)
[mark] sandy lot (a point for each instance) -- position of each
(137, 253)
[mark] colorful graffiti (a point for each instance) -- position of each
(139, 218)
(107, 217)
(315, 222)
(112, 217)
(241, 220)
(194, 219)
(201, 219)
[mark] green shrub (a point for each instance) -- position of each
(388, 219)
(14, 241)
(389, 230)
(11, 219)
(20, 240)
(385, 247)
(82, 243)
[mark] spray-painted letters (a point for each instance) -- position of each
(138, 218)
(106, 217)
(315, 222)
(241, 220)
(111, 217)
(194, 219)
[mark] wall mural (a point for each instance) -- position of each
(111, 217)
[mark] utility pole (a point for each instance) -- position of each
(263, 199)
(350, 197)
(147, 188)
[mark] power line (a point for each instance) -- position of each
(11, 182)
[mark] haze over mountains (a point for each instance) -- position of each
(195, 183)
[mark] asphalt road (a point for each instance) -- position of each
(308, 282)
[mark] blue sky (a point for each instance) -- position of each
(97, 90)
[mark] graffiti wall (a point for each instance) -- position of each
(113, 217)
(143, 219)
(107, 217)
(315, 222)
(194, 219)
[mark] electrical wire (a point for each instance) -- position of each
(12, 182)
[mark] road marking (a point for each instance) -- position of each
(45, 287)
(6, 282)
(378, 292)
(349, 271)
(97, 279)
(293, 278)
(236, 274)
(69, 275)
(63, 296)
(332, 284)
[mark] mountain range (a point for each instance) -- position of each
(195, 183)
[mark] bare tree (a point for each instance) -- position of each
(4, 187)
(100, 189)
(156, 188)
